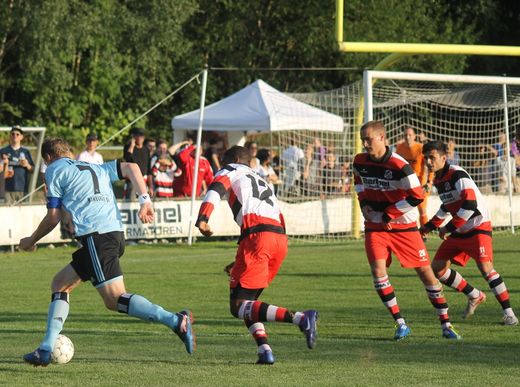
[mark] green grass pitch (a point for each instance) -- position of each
(355, 345)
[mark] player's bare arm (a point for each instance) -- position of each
(47, 224)
(132, 172)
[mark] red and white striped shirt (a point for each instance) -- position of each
(390, 187)
(254, 205)
(461, 199)
(163, 180)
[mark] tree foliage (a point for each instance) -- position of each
(79, 66)
(76, 65)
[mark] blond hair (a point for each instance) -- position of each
(56, 148)
(376, 126)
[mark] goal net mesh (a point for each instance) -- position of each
(315, 167)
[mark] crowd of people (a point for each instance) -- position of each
(315, 170)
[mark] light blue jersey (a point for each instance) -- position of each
(85, 190)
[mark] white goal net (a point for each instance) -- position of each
(478, 116)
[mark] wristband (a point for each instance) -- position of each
(144, 198)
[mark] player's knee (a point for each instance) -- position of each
(438, 269)
(233, 310)
(110, 303)
(234, 307)
(57, 285)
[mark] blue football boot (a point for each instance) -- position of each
(265, 357)
(309, 326)
(188, 336)
(39, 357)
(450, 333)
(401, 331)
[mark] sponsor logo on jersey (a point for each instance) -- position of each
(374, 182)
(388, 174)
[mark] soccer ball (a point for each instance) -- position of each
(63, 350)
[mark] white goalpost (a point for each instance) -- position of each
(476, 115)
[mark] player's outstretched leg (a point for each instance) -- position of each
(385, 290)
(455, 281)
(58, 312)
(258, 311)
(499, 289)
(181, 323)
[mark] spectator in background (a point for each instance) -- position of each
(453, 157)
(496, 164)
(135, 152)
(307, 182)
(89, 154)
(5, 173)
(331, 176)
(292, 159)
(211, 154)
(480, 166)
(20, 163)
(505, 167)
(252, 146)
(346, 176)
(163, 173)
(275, 162)
(411, 151)
(320, 153)
(421, 137)
(515, 153)
(317, 163)
(515, 149)
(160, 150)
(265, 170)
(182, 186)
(149, 143)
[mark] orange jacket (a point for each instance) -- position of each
(413, 154)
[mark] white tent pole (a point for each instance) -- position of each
(197, 154)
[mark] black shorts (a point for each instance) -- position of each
(98, 260)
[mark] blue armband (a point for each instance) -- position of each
(53, 202)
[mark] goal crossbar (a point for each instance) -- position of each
(482, 79)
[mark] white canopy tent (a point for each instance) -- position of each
(259, 107)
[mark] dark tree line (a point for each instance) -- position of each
(76, 65)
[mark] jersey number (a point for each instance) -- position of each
(266, 193)
(95, 180)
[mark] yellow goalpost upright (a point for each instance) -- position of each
(398, 51)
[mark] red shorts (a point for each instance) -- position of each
(460, 250)
(407, 246)
(258, 260)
